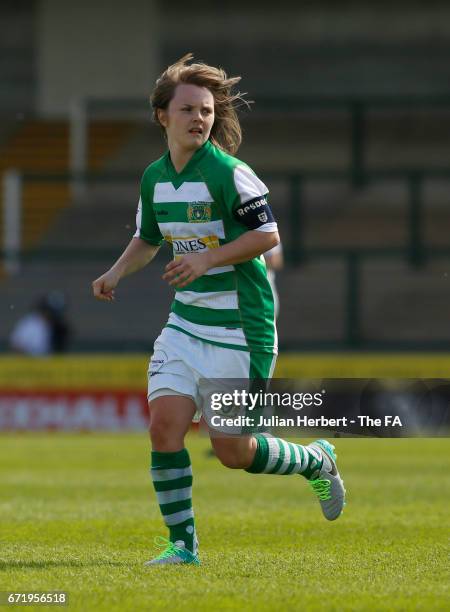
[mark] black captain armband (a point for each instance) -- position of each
(254, 213)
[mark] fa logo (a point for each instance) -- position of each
(263, 217)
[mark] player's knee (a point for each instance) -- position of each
(232, 460)
(161, 433)
(236, 454)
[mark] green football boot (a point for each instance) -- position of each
(174, 552)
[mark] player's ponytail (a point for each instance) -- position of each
(226, 132)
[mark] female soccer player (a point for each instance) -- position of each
(213, 210)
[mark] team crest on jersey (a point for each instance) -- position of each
(199, 212)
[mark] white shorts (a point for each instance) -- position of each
(183, 365)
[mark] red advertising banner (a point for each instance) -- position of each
(73, 411)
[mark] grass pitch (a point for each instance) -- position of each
(78, 513)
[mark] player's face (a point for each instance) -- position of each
(189, 117)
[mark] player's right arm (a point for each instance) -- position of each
(141, 250)
(137, 255)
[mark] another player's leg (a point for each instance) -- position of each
(171, 473)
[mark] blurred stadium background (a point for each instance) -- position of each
(350, 130)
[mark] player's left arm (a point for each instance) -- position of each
(245, 198)
(251, 244)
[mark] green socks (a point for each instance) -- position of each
(172, 478)
(276, 456)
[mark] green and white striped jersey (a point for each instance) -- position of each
(194, 210)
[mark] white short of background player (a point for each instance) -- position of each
(274, 262)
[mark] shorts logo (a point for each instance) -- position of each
(199, 212)
(157, 361)
(263, 217)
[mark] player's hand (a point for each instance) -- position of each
(180, 272)
(103, 287)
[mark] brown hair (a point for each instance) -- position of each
(226, 132)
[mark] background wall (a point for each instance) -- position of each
(51, 51)
(101, 48)
(318, 48)
(309, 22)
(17, 58)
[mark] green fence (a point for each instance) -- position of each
(356, 107)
